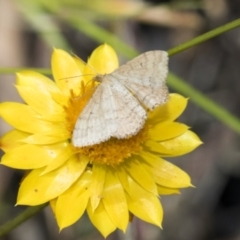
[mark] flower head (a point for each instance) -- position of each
(112, 180)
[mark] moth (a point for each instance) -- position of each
(118, 108)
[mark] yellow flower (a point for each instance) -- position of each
(113, 180)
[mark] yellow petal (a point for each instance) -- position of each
(41, 83)
(55, 117)
(53, 204)
(169, 111)
(141, 176)
(114, 201)
(158, 148)
(76, 199)
(98, 179)
(101, 220)
(36, 188)
(165, 173)
(41, 102)
(24, 118)
(43, 139)
(183, 144)
(66, 72)
(167, 191)
(11, 140)
(144, 204)
(104, 59)
(18, 115)
(167, 130)
(28, 157)
(62, 155)
(123, 177)
(80, 63)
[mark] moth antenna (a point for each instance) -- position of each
(82, 75)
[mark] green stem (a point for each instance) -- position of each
(22, 217)
(204, 37)
(46, 71)
(204, 102)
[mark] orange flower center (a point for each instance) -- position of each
(111, 152)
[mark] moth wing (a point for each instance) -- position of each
(112, 111)
(145, 76)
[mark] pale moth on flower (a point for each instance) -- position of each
(118, 107)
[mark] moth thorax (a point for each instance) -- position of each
(98, 78)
